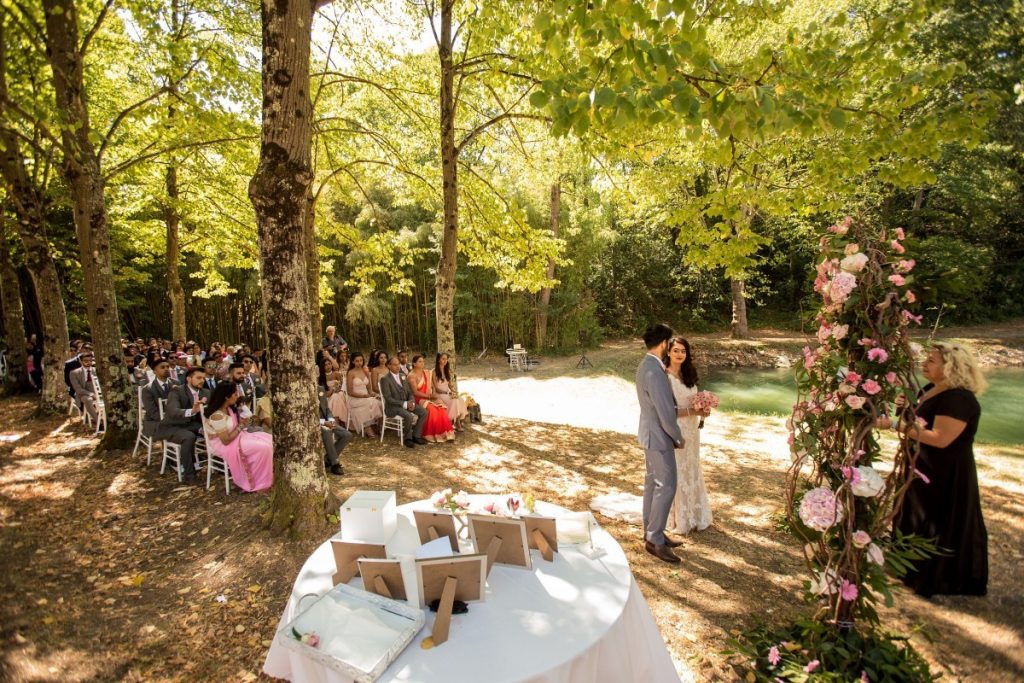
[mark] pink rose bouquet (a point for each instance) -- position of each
(703, 401)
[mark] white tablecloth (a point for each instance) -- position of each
(569, 621)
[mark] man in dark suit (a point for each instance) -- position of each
(82, 387)
(251, 381)
(659, 435)
(399, 401)
(211, 367)
(178, 430)
(335, 437)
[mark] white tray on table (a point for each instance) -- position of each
(360, 633)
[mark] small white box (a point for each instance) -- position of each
(369, 517)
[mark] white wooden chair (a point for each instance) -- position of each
(140, 438)
(172, 451)
(396, 423)
(214, 463)
(101, 407)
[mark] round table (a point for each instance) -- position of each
(571, 620)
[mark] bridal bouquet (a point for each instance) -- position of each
(703, 401)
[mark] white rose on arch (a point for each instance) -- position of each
(825, 582)
(854, 263)
(870, 483)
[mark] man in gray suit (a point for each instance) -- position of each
(82, 388)
(335, 437)
(399, 400)
(659, 434)
(181, 423)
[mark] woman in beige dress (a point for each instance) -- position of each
(442, 380)
(378, 368)
(364, 410)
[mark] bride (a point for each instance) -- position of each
(690, 509)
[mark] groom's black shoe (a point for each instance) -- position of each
(672, 544)
(661, 552)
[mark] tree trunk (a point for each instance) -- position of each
(17, 381)
(545, 294)
(85, 181)
(739, 310)
(28, 208)
(175, 292)
(445, 282)
(279, 192)
(312, 269)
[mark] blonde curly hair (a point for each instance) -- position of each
(960, 367)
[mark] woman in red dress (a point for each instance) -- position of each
(438, 427)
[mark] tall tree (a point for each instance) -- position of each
(25, 191)
(280, 191)
(86, 184)
(14, 327)
(544, 299)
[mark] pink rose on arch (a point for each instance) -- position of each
(905, 265)
(842, 284)
(897, 247)
(897, 279)
(871, 387)
(824, 332)
(866, 341)
(856, 402)
(910, 297)
(875, 554)
(840, 331)
(851, 248)
(854, 263)
(811, 666)
(892, 379)
(878, 355)
(853, 378)
(846, 389)
(910, 317)
(900, 235)
(849, 591)
(861, 538)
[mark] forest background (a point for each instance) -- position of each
(564, 240)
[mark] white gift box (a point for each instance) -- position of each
(369, 517)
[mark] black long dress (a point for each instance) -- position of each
(948, 508)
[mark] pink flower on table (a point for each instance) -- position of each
(878, 355)
(905, 265)
(910, 297)
(871, 387)
(811, 666)
(773, 656)
(849, 591)
(897, 279)
(855, 402)
(311, 639)
(897, 247)
(900, 235)
(851, 248)
(853, 378)
(861, 538)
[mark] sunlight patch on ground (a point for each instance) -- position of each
(11, 437)
(63, 665)
(127, 483)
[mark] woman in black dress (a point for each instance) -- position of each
(944, 504)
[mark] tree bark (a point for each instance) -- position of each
(312, 268)
(279, 192)
(544, 300)
(28, 208)
(85, 180)
(445, 281)
(739, 310)
(172, 219)
(17, 381)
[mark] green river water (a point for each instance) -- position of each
(774, 391)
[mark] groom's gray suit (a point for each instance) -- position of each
(659, 434)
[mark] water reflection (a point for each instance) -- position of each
(773, 392)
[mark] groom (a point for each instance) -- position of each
(659, 435)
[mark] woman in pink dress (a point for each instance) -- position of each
(249, 455)
(332, 382)
(438, 427)
(364, 411)
(442, 379)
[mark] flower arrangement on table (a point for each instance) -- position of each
(838, 505)
(311, 638)
(702, 402)
(500, 506)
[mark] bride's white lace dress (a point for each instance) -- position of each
(690, 509)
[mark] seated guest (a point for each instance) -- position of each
(378, 368)
(73, 362)
(343, 360)
(333, 382)
(363, 409)
(210, 365)
(249, 454)
(179, 366)
(183, 412)
(442, 381)
(260, 357)
(333, 339)
(193, 357)
(253, 383)
(405, 367)
(438, 427)
(178, 429)
(81, 379)
(335, 437)
(399, 401)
